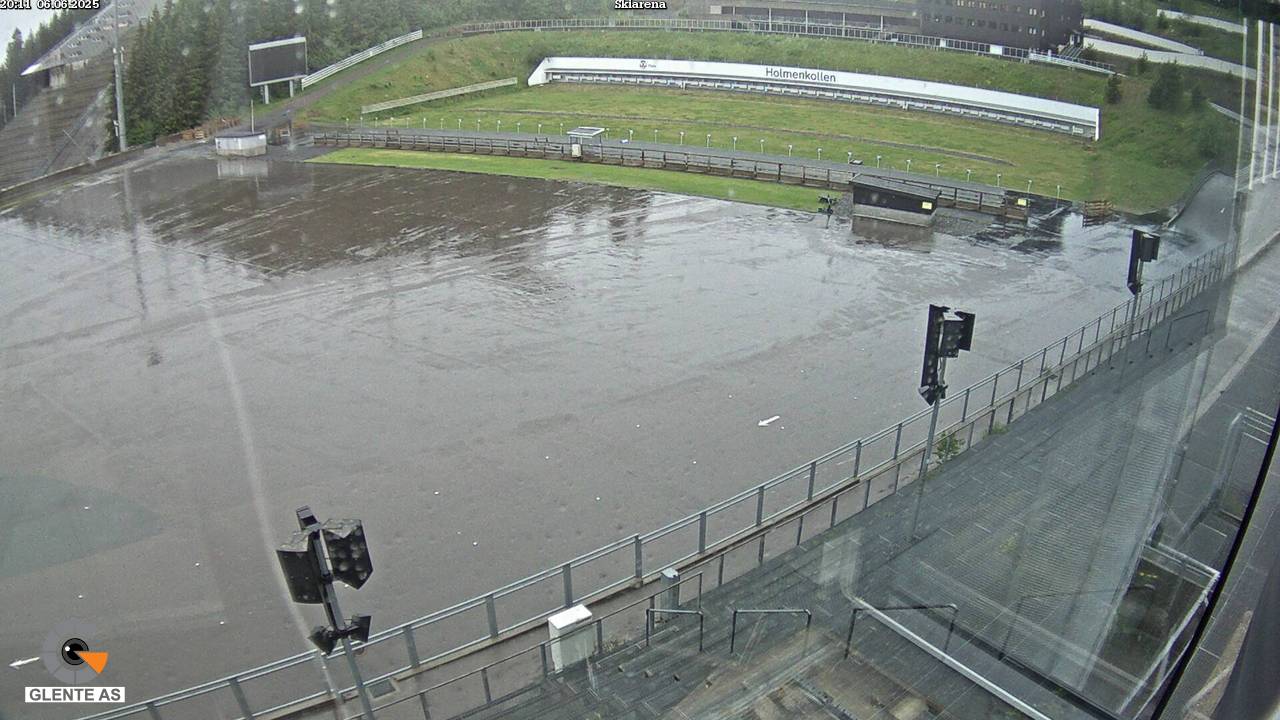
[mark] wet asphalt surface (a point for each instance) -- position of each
(495, 374)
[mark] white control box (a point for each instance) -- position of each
(572, 639)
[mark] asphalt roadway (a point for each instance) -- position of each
(495, 374)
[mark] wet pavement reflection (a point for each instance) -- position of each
(495, 374)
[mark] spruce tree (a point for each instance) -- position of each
(1113, 89)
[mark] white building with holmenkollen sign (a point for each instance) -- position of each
(878, 90)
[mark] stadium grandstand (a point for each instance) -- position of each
(62, 125)
(890, 92)
(87, 42)
(1044, 25)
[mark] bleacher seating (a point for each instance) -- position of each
(36, 142)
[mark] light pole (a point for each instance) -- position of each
(310, 577)
(849, 153)
(539, 128)
(682, 137)
(499, 126)
(655, 136)
(735, 142)
(968, 175)
(937, 169)
(789, 148)
(998, 175)
(519, 123)
(708, 139)
(877, 162)
(1143, 248)
(761, 146)
(631, 135)
(459, 123)
(117, 62)
(819, 153)
(908, 164)
(944, 338)
(1029, 187)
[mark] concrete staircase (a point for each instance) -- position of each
(59, 127)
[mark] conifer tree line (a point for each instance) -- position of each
(189, 61)
(23, 50)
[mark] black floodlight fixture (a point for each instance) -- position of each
(324, 638)
(348, 551)
(310, 575)
(306, 518)
(943, 338)
(359, 628)
(301, 566)
(1143, 248)
(932, 336)
(957, 335)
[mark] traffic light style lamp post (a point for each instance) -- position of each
(310, 577)
(827, 206)
(944, 338)
(1143, 248)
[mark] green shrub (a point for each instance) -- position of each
(947, 447)
(1113, 90)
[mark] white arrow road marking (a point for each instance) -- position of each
(19, 663)
(765, 423)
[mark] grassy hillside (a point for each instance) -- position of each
(1143, 162)
(462, 61)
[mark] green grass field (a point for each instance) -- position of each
(1143, 162)
(748, 191)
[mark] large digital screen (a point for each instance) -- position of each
(277, 60)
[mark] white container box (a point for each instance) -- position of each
(572, 628)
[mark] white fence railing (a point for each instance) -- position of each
(1078, 63)
(428, 97)
(359, 57)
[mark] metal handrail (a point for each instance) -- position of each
(1159, 299)
(359, 57)
(543, 646)
(951, 627)
(733, 627)
(648, 622)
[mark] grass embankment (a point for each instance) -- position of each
(1204, 7)
(1144, 161)
(748, 191)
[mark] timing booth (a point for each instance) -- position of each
(885, 199)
